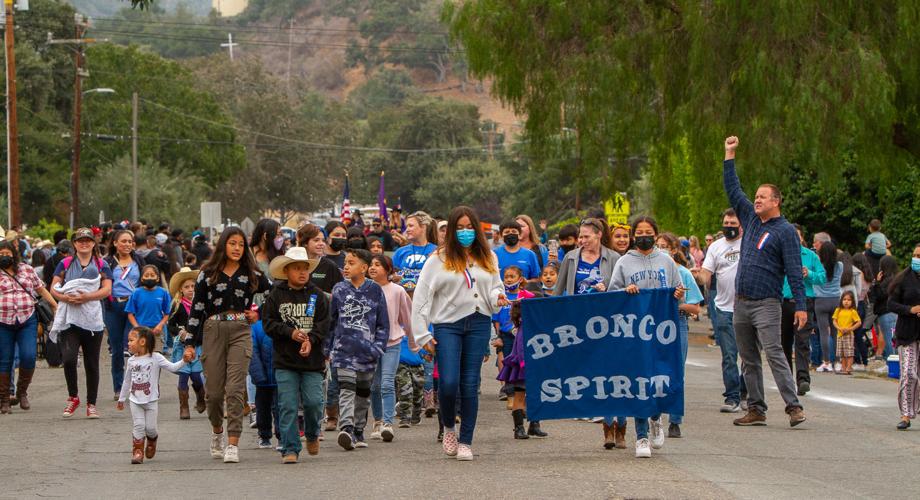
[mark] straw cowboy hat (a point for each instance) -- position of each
(294, 254)
(184, 274)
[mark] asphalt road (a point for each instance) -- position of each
(848, 448)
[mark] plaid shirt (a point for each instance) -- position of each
(769, 250)
(17, 305)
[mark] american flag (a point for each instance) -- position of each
(346, 205)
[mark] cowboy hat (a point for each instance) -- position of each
(294, 254)
(184, 274)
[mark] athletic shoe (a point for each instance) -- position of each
(643, 450)
(252, 420)
(838, 367)
(464, 453)
(449, 444)
(386, 433)
(674, 430)
(91, 411)
(744, 404)
(72, 404)
(597, 420)
(360, 442)
(217, 445)
(502, 396)
(265, 444)
(346, 440)
(804, 387)
(752, 418)
(231, 454)
(730, 407)
(657, 433)
(375, 434)
(796, 417)
(825, 368)
(404, 423)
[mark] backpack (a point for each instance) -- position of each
(69, 260)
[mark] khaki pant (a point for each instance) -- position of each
(225, 353)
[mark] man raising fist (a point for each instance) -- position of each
(769, 252)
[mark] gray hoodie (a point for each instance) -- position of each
(655, 270)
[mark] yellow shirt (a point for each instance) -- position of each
(845, 318)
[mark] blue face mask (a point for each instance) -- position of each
(512, 288)
(915, 264)
(466, 237)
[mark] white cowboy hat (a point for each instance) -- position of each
(294, 254)
(184, 274)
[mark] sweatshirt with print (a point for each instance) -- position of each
(142, 377)
(360, 326)
(287, 309)
(655, 270)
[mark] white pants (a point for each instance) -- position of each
(145, 419)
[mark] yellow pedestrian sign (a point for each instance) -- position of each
(617, 209)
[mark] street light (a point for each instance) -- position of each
(103, 90)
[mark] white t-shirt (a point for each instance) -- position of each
(142, 377)
(722, 260)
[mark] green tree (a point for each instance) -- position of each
(799, 82)
(387, 88)
(483, 185)
(164, 193)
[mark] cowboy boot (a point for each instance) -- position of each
(22, 387)
(609, 431)
(151, 449)
(183, 405)
(137, 451)
(200, 404)
(5, 393)
(332, 418)
(619, 436)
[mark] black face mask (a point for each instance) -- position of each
(730, 232)
(567, 248)
(511, 239)
(149, 283)
(6, 262)
(645, 243)
(357, 243)
(338, 244)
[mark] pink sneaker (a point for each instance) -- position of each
(91, 411)
(72, 404)
(450, 444)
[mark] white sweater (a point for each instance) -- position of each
(142, 377)
(443, 296)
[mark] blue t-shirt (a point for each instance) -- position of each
(149, 306)
(692, 295)
(126, 280)
(587, 276)
(406, 356)
(409, 261)
(503, 316)
(523, 258)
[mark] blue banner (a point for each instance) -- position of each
(603, 354)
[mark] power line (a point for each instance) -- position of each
(256, 28)
(268, 43)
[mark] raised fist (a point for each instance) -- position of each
(731, 143)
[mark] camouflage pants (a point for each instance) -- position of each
(410, 382)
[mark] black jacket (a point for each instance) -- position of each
(326, 275)
(904, 295)
(286, 309)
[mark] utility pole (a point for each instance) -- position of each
(12, 130)
(77, 111)
(290, 46)
(134, 156)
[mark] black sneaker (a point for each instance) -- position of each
(346, 439)
(265, 444)
(404, 423)
(440, 435)
(903, 425)
(673, 431)
(804, 387)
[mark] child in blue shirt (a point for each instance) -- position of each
(360, 331)
(262, 372)
(149, 305)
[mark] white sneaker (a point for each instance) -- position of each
(217, 445)
(375, 434)
(821, 368)
(730, 407)
(657, 434)
(464, 453)
(642, 449)
(859, 367)
(231, 454)
(386, 433)
(838, 367)
(252, 420)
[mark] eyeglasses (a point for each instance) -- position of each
(595, 223)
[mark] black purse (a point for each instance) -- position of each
(43, 312)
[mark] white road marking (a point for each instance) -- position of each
(696, 364)
(846, 401)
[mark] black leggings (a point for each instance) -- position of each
(71, 341)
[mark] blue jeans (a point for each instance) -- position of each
(23, 337)
(886, 324)
(461, 347)
(383, 390)
(731, 377)
(118, 326)
(429, 374)
(815, 342)
(298, 390)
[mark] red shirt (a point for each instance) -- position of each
(16, 302)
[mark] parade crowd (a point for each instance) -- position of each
(354, 330)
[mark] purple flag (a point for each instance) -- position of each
(382, 201)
